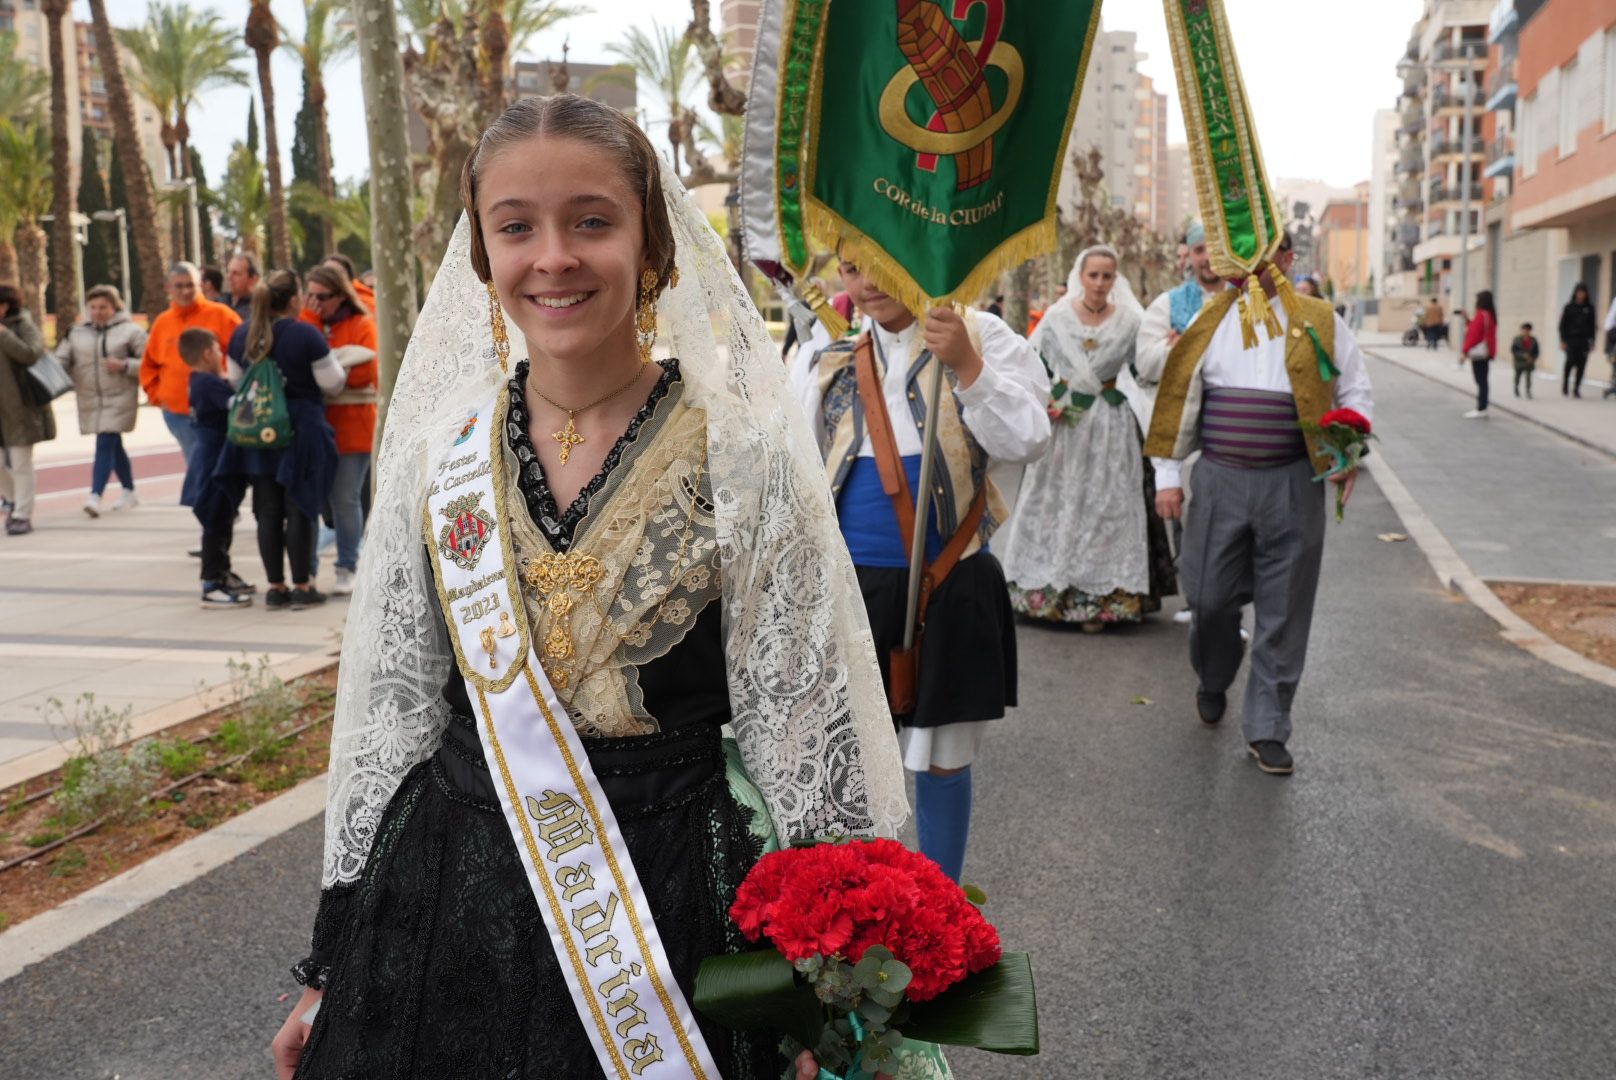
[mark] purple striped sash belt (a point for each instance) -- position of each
(1250, 429)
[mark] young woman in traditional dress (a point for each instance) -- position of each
(535, 826)
(1084, 544)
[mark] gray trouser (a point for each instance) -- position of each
(1253, 536)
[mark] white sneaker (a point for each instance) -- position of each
(127, 501)
(1185, 617)
(1476, 414)
(92, 506)
(344, 583)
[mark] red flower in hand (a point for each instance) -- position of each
(1351, 418)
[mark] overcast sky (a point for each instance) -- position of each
(1316, 71)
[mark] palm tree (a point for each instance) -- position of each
(381, 76)
(242, 199)
(25, 197)
(263, 37)
(181, 53)
(327, 39)
(23, 88)
(62, 241)
(346, 214)
(669, 64)
(142, 206)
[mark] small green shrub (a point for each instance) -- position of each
(105, 777)
(179, 757)
(196, 821)
(69, 863)
(43, 837)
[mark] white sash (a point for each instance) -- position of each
(576, 861)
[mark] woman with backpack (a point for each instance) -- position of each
(291, 471)
(23, 420)
(103, 353)
(1579, 328)
(1480, 346)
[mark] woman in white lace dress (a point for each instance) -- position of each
(1079, 547)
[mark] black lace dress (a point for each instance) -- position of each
(436, 963)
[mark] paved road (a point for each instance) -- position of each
(1428, 897)
(1516, 500)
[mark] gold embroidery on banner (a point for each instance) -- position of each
(515, 799)
(633, 915)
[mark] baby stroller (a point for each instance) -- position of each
(1416, 329)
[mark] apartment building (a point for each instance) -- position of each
(1150, 167)
(1565, 151)
(86, 89)
(1108, 116)
(738, 23)
(1341, 245)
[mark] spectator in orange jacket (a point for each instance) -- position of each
(343, 265)
(330, 298)
(164, 376)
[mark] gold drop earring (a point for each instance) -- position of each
(645, 315)
(496, 319)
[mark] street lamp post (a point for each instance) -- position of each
(123, 247)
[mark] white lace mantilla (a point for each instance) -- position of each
(805, 693)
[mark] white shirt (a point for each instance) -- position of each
(1004, 409)
(1230, 365)
(1610, 316)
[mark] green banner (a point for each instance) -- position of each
(936, 135)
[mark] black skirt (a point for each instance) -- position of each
(968, 653)
(444, 969)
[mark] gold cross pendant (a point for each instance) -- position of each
(568, 437)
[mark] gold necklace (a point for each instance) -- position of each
(568, 436)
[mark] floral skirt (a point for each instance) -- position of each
(1076, 606)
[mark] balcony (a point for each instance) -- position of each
(1441, 193)
(1412, 112)
(1447, 147)
(1459, 53)
(1413, 80)
(1408, 234)
(1412, 161)
(1500, 157)
(1500, 90)
(1505, 21)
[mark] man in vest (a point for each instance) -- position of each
(868, 403)
(1255, 530)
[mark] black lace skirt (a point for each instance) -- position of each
(443, 969)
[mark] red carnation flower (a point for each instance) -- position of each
(1351, 418)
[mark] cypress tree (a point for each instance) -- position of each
(118, 196)
(305, 178)
(204, 209)
(102, 250)
(252, 126)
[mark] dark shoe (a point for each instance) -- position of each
(278, 598)
(309, 597)
(233, 582)
(1272, 757)
(18, 526)
(218, 595)
(1210, 706)
(195, 553)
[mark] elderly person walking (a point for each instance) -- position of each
(23, 420)
(103, 356)
(164, 375)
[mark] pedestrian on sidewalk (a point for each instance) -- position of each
(1256, 531)
(1524, 350)
(213, 284)
(1433, 325)
(24, 421)
(163, 374)
(350, 331)
(291, 484)
(1610, 347)
(103, 353)
(214, 501)
(1480, 346)
(1579, 329)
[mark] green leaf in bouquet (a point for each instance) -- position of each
(758, 989)
(994, 1010)
(976, 895)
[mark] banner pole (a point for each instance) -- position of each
(917, 544)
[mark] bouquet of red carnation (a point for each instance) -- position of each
(873, 945)
(1345, 434)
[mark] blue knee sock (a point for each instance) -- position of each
(943, 818)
